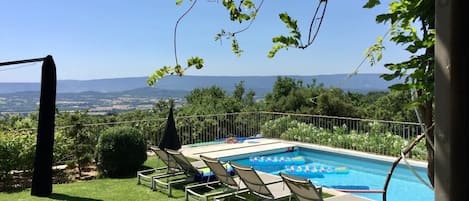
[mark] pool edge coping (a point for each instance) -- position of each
(354, 153)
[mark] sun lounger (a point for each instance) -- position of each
(146, 177)
(189, 172)
(259, 187)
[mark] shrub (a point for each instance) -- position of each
(375, 141)
(83, 145)
(275, 128)
(62, 148)
(16, 153)
(120, 151)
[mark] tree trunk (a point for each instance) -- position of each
(42, 176)
(427, 112)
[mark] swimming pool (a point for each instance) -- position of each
(343, 171)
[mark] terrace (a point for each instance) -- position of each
(206, 134)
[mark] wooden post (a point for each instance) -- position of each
(451, 101)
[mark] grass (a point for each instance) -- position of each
(94, 190)
(100, 190)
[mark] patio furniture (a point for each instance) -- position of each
(302, 189)
(145, 177)
(231, 185)
(258, 187)
(188, 173)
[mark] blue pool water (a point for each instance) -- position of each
(343, 171)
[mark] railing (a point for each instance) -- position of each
(323, 129)
(376, 136)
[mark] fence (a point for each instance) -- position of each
(206, 128)
(382, 137)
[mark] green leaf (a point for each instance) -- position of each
(388, 77)
(195, 61)
(284, 17)
(275, 48)
(412, 48)
(400, 87)
(371, 3)
(179, 2)
(235, 47)
(383, 17)
(219, 35)
(158, 74)
(178, 70)
(248, 4)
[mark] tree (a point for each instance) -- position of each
(245, 98)
(333, 102)
(162, 106)
(82, 140)
(239, 91)
(248, 99)
(392, 107)
(213, 100)
(412, 25)
(285, 96)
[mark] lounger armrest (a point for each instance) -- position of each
(144, 172)
(161, 168)
(167, 175)
(319, 189)
(150, 171)
(235, 193)
(202, 184)
(190, 191)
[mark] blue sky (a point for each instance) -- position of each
(109, 38)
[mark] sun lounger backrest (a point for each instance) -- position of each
(169, 161)
(301, 188)
(252, 180)
(182, 161)
(220, 172)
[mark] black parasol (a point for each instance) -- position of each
(170, 139)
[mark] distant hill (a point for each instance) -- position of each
(261, 84)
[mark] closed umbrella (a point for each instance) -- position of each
(170, 139)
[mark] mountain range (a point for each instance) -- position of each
(261, 84)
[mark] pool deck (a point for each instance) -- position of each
(253, 146)
(223, 150)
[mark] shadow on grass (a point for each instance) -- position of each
(126, 175)
(59, 196)
(144, 167)
(12, 190)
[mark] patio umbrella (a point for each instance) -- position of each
(170, 139)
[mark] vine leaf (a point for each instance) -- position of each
(158, 74)
(371, 3)
(235, 47)
(283, 42)
(196, 62)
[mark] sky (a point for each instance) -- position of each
(123, 38)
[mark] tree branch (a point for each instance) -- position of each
(310, 41)
(175, 30)
(252, 20)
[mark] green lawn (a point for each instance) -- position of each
(100, 189)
